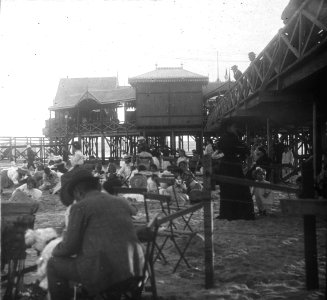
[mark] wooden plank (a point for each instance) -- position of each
(247, 182)
(299, 207)
(18, 208)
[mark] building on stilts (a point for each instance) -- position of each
(165, 106)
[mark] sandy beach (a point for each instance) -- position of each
(261, 259)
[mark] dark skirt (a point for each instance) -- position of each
(235, 200)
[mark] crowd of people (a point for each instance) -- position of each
(88, 192)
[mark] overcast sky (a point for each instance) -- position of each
(42, 41)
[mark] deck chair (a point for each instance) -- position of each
(16, 218)
(170, 232)
(133, 288)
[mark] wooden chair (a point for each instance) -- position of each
(16, 218)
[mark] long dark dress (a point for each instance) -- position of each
(235, 200)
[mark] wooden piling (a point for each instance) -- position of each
(310, 252)
(208, 223)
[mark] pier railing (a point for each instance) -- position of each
(303, 35)
(57, 129)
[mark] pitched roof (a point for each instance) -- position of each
(168, 75)
(102, 89)
(214, 88)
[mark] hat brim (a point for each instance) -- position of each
(66, 191)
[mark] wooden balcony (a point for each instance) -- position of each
(107, 128)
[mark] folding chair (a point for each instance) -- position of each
(164, 206)
(171, 232)
(175, 205)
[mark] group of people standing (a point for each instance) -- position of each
(236, 159)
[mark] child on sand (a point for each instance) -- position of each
(263, 197)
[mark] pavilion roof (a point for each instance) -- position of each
(168, 75)
(212, 89)
(104, 90)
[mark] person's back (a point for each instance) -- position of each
(109, 251)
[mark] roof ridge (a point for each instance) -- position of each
(79, 78)
(169, 68)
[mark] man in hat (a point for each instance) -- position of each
(251, 56)
(237, 72)
(100, 247)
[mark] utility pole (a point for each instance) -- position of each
(217, 68)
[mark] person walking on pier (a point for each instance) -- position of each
(30, 157)
(235, 200)
(237, 73)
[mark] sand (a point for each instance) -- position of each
(261, 259)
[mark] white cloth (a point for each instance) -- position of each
(208, 149)
(125, 171)
(263, 197)
(156, 161)
(287, 158)
(13, 175)
(77, 159)
(35, 194)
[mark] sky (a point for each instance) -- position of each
(42, 41)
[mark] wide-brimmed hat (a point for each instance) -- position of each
(69, 181)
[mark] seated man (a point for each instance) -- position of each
(100, 247)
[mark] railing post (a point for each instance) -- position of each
(208, 223)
